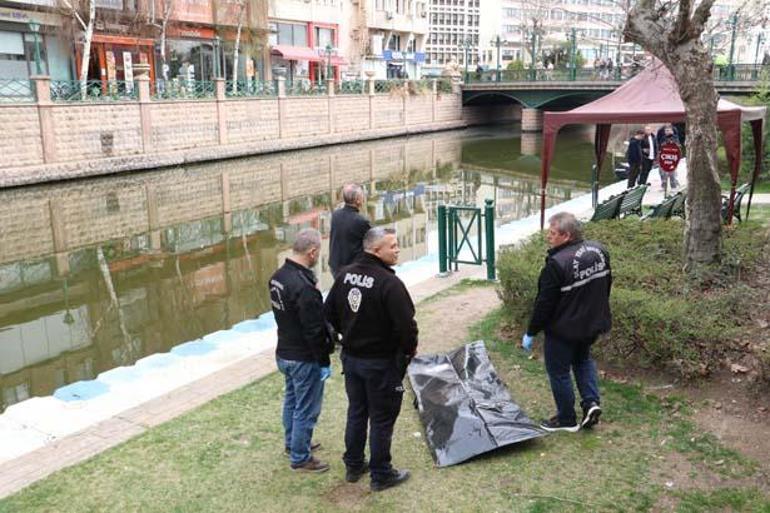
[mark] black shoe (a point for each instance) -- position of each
(394, 479)
(591, 414)
(353, 474)
(554, 424)
(313, 448)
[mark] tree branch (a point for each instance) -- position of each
(700, 18)
(75, 13)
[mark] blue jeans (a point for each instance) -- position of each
(561, 356)
(301, 405)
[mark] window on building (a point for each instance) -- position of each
(324, 37)
(293, 34)
(17, 55)
(394, 43)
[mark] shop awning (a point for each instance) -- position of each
(303, 53)
(122, 40)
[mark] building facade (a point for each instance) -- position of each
(454, 33)
(389, 36)
(307, 38)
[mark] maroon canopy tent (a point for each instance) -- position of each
(651, 96)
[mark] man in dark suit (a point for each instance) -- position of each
(650, 152)
(634, 157)
(348, 229)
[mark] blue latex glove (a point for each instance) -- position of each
(326, 372)
(527, 341)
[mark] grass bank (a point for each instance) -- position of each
(662, 318)
(227, 455)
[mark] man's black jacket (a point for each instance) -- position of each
(346, 238)
(634, 153)
(372, 309)
(573, 292)
(298, 309)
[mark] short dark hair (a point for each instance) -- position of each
(374, 235)
(639, 131)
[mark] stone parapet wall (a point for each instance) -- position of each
(56, 220)
(54, 141)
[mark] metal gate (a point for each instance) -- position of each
(455, 234)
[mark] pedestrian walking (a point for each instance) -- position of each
(650, 151)
(348, 228)
(373, 311)
(668, 179)
(634, 157)
(303, 348)
(573, 309)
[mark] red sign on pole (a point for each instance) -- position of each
(670, 153)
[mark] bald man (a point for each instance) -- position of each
(348, 229)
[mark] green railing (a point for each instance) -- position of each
(305, 88)
(387, 86)
(176, 89)
(723, 73)
(444, 85)
(93, 90)
(16, 90)
(351, 87)
(249, 88)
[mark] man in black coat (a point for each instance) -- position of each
(348, 229)
(303, 348)
(634, 157)
(650, 151)
(573, 309)
(372, 310)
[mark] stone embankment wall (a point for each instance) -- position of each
(47, 140)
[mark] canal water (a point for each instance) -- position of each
(96, 274)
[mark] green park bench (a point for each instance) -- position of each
(664, 209)
(632, 201)
(608, 209)
(678, 208)
(740, 192)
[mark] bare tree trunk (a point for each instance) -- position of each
(163, 27)
(674, 38)
(87, 37)
(242, 6)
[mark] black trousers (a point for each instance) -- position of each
(646, 167)
(633, 173)
(375, 391)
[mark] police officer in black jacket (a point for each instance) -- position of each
(348, 229)
(372, 310)
(303, 348)
(573, 309)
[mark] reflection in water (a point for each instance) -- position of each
(96, 274)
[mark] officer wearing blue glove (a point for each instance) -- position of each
(526, 342)
(573, 309)
(302, 352)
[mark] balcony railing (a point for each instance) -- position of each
(16, 90)
(93, 90)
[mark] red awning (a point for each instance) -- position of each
(651, 96)
(303, 53)
(296, 53)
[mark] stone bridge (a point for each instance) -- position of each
(535, 96)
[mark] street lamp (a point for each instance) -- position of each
(573, 54)
(497, 44)
(217, 63)
(35, 28)
(734, 22)
(760, 42)
(329, 50)
(466, 45)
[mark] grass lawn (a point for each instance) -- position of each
(227, 457)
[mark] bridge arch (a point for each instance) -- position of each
(533, 99)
